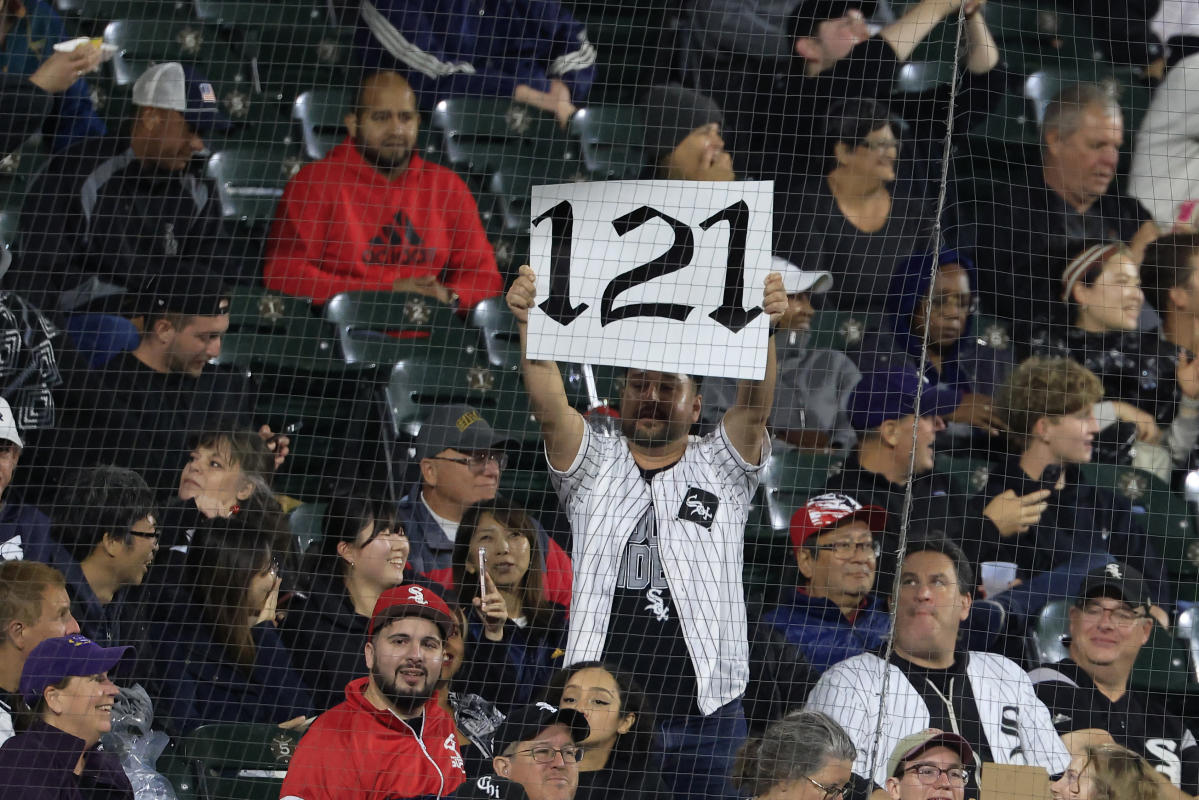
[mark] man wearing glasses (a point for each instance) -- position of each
(929, 764)
(461, 459)
(1089, 692)
(537, 755)
(835, 614)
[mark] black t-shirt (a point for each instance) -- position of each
(645, 638)
(1138, 720)
(950, 701)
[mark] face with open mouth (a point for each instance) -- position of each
(405, 660)
(657, 408)
(83, 707)
(379, 557)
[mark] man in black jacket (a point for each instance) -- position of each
(109, 215)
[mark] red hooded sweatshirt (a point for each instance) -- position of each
(341, 226)
(355, 751)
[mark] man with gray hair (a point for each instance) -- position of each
(1071, 197)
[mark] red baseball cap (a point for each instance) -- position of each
(411, 600)
(828, 511)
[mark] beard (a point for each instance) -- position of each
(667, 431)
(405, 700)
(383, 161)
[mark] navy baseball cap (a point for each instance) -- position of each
(62, 657)
(176, 87)
(892, 393)
(524, 724)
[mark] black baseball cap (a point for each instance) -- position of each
(457, 427)
(1118, 581)
(524, 724)
(195, 294)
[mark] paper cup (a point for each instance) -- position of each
(997, 576)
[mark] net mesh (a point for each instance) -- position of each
(263, 328)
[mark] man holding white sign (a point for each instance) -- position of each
(659, 523)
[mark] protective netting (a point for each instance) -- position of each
(267, 419)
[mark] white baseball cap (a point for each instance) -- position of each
(796, 280)
(8, 424)
(172, 86)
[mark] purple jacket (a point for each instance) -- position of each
(39, 764)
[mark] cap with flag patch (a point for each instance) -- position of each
(830, 510)
(176, 87)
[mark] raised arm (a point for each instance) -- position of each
(982, 54)
(910, 30)
(745, 422)
(561, 425)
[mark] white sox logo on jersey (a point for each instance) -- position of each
(1009, 723)
(699, 507)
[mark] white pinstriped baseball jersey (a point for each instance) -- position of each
(700, 541)
(1015, 722)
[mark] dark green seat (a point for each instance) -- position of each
(238, 762)
(1163, 665)
(1052, 626)
(609, 383)
(143, 42)
(967, 475)
(610, 141)
(385, 327)
(306, 523)
(474, 135)
(1032, 35)
(250, 180)
(841, 330)
(308, 344)
(1166, 516)
(505, 203)
(416, 385)
(320, 113)
(253, 310)
(497, 328)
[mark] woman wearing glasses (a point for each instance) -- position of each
(362, 553)
(930, 302)
(506, 604)
(1110, 772)
(804, 756)
(217, 653)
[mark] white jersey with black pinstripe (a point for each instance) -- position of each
(700, 507)
(1017, 725)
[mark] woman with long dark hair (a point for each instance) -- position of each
(217, 654)
(617, 754)
(363, 552)
(506, 604)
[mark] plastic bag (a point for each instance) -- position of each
(138, 747)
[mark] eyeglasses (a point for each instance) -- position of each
(928, 774)
(830, 792)
(847, 549)
(1073, 777)
(477, 462)
(1122, 616)
(545, 754)
(879, 146)
(144, 535)
(966, 302)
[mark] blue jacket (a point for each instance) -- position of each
(195, 682)
(25, 535)
(970, 366)
(453, 48)
(822, 633)
(29, 44)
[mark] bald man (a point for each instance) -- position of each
(372, 215)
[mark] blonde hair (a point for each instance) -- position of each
(1120, 774)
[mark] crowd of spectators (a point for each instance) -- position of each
(445, 640)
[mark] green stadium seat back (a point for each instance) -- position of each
(474, 135)
(239, 762)
(841, 330)
(1165, 515)
(1052, 625)
(1007, 139)
(994, 331)
(498, 332)
(260, 13)
(250, 180)
(1163, 665)
(508, 191)
(306, 522)
(416, 385)
(386, 327)
(143, 42)
(178, 771)
(632, 46)
(254, 310)
(320, 113)
(967, 475)
(789, 479)
(610, 141)
(527, 480)
(310, 345)
(1043, 85)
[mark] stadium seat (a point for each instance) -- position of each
(609, 140)
(1164, 664)
(319, 113)
(417, 384)
(474, 135)
(497, 328)
(309, 344)
(9, 217)
(1187, 627)
(789, 479)
(920, 76)
(1053, 624)
(305, 523)
(99, 337)
(1165, 515)
(238, 762)
(105, 10)
(142, 42)
(382, 328)
(250, 180)
(1031, 35)
(253, 310)
(967, 476)
(841, 330)
(1042, 86)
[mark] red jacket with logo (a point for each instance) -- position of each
(355, 751)
(341, 226)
